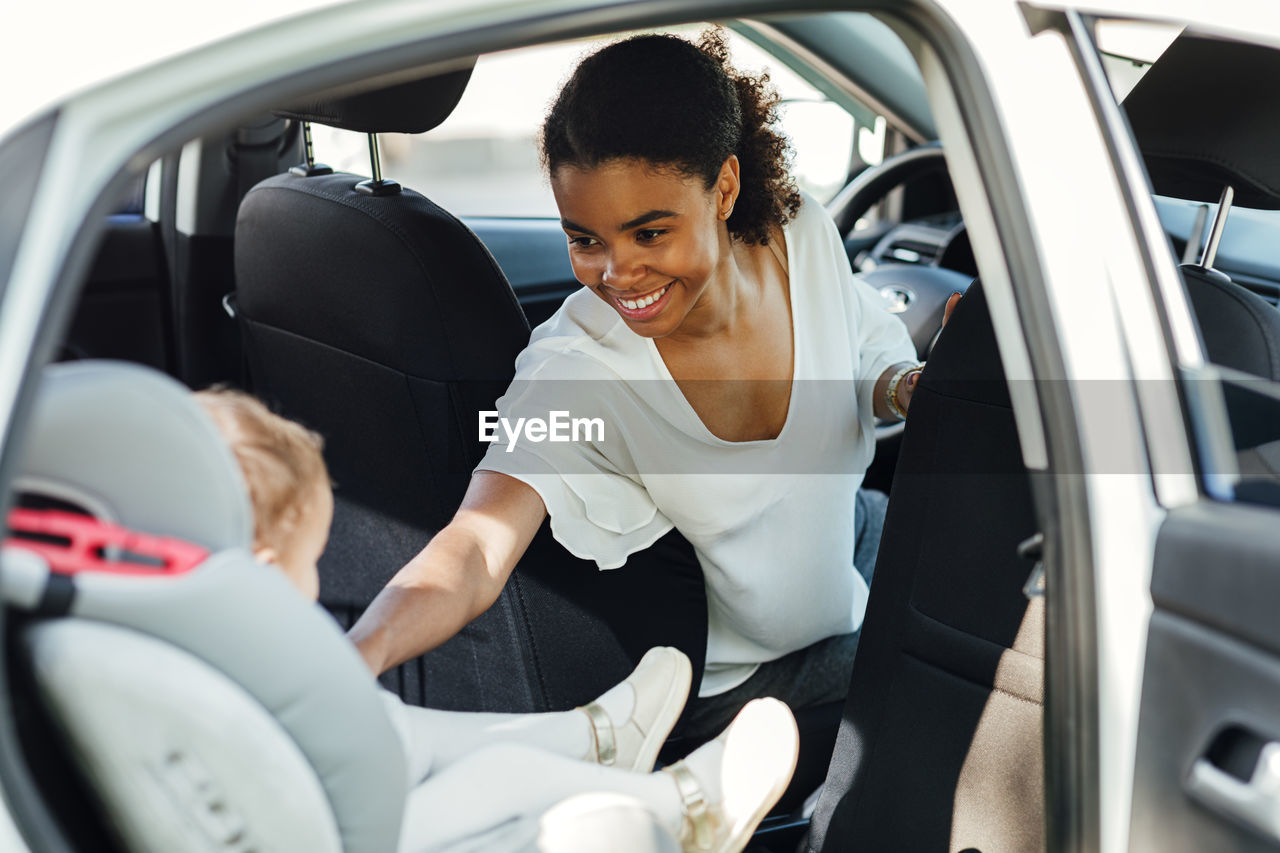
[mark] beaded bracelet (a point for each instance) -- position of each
(891, 392)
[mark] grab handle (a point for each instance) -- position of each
(1254, 803)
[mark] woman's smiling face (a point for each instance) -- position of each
(645, 239)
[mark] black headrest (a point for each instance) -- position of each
(412, 106)
(1207, 114)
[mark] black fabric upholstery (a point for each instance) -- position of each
(384, 323)
(587, 628)
(1207, 114)
(361, 316)
(1240, 329)
(413, 106)
(940, 745)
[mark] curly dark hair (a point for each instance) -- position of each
(672, 103)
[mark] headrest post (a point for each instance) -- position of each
(310, 168)
(375, 162)
(377, 186)
(1195, 239)
(1215, 230)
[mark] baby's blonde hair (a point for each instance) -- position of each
(280, 459)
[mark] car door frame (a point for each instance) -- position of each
(1183, 482)
(201, 93)
(1210, 675)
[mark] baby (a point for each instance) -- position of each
(480, 778)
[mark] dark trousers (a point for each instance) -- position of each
(813, 675)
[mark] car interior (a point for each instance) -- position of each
(368, 312)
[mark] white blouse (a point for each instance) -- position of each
(771, 521)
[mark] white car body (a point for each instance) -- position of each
(1078, 277)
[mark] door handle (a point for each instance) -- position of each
(1255, 803)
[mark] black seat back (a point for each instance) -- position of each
(382, 322)
(940, 744)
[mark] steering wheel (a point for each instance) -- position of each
(875, 182)
(916, 292)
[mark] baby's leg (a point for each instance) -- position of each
(439, 738)
(625, 726)
(728, 785)
(511, 782)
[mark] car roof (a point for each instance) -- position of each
(110, 40)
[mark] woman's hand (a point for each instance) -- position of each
(455, 578)
(907, 384)
(952, 301)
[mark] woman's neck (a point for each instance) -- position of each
(727, 304)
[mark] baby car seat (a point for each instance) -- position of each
(204, 702)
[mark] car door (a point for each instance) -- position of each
(1208, 751)
(1206, 769)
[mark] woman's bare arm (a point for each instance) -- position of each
(456, 577)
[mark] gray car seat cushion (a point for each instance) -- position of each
(246, 620)
(149, 724)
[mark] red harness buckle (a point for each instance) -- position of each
(72, 543)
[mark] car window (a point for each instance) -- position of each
(1128, 48)
(1229, 269)
(483, 161)
(133, 200)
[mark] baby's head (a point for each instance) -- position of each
(288, 483)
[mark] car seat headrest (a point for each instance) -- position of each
(132, 446)
(412, 106)
(1206, 115)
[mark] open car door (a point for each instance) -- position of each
(1207, 774)
(1206, 758)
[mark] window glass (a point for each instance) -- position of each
(483, 160)
(1129, 47)
(1230, 269)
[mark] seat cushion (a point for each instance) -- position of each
(170, 778)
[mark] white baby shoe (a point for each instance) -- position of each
(660, 683)
(728, 785)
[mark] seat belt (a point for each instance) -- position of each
(254, 154)
(256, 150)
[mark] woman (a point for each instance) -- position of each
(733, 363)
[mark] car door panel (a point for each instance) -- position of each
(1211, 688)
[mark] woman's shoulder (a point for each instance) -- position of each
(811, 218)
(578, 341)
(582, 315)
(814, 243)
